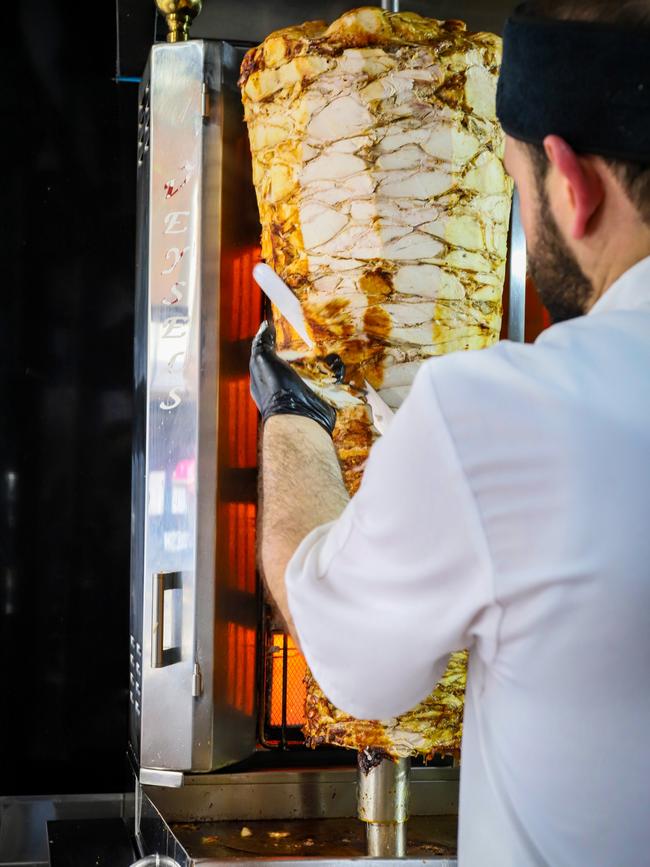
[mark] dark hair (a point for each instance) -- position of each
(633, 176)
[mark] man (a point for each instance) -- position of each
(507, 508)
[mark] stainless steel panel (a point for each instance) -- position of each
(173, 337)
(185, 719)
(138, 453)
(303, 794)
(167, 779)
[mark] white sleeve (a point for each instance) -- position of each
(381, 596)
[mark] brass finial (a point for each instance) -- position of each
(179, 15)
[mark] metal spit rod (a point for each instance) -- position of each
(390, 5)
(383, 796)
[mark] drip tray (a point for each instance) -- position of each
(428, 837)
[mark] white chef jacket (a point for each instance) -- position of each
(507, 510)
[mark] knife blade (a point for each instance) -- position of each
(382, 414)
(282, 296)
(279, 293)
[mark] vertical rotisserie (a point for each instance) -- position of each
(377, 162)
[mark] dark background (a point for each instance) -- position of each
(67, 333)
(68, 207)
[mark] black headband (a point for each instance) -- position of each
(588, 82)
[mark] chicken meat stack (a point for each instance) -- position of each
(377, 163)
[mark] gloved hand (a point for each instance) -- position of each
(278, 390)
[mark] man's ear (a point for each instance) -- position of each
(583, 186)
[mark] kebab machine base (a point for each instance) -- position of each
(299, 815)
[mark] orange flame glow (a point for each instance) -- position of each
(296, 690)
(238, 529)
(240, 682)
(245, 295)
(241, 423)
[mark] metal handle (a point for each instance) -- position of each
(159, 656)
(158, 620)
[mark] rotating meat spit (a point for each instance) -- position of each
(383, 804)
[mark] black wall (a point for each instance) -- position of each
(68, 184)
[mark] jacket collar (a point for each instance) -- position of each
(630, 291)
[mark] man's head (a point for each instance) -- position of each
(586, 216)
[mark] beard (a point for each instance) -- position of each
(560, 281)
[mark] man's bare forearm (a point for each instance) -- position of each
(302, 488)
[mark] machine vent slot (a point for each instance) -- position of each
(143, 125)
(135, 675)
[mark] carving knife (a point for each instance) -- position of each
(281, 295)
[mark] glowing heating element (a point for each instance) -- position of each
(240, 310)
(245, 301)
(241, 423)
(241, 668)
(240, 683)
(288, 690)
(285, 666)
(238, 527)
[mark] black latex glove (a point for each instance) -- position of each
(278, 390)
